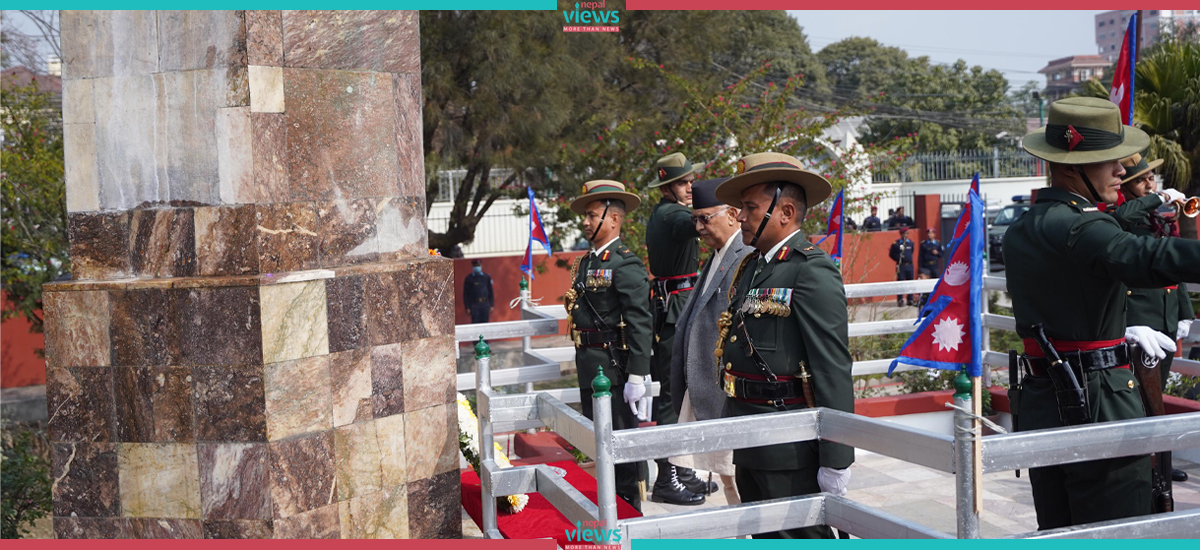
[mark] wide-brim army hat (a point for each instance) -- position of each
(598, 190)
(1136, 166)
(769, 167)
(670, 168)
(1084, 130)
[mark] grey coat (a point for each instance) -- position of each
(693, 366)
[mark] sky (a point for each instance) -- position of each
(1018, 43)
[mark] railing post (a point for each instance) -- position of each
(987, 332)
(606, 475)
(526, 341)
(487, 450)
(995, 161)
(964, 460)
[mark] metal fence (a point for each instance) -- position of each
(953, 165)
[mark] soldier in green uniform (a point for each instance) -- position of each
(1166, 310)
(609, 314)
(1068, 267)
(783, 343)
(673, 251)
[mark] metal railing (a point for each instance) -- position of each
(952, 165)
(507, 413)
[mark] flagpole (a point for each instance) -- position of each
(977, 466)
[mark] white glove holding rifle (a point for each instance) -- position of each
(635, 389)
(833, 481)
(1152, 342)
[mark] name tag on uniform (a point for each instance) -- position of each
(771, 301)
(599, 278)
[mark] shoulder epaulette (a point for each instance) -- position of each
(783, 253)
(605, 255)
(811, 251)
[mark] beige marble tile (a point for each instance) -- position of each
(351, 371)
(393, 464)
(298, 397)
(431, 446)
(294, 321)
(379, 515)
(235, 161)
(82, 173)
(159, 480)
(77, 329)
(78, 101)
(266, 89)
(356, 450)
(429, 372)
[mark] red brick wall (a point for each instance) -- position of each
(552, 278)
(20, 364)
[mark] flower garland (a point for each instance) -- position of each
(468, 443)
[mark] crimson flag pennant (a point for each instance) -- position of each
(537, 232)
(1121, 91)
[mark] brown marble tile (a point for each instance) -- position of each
(153, 404)
(270, 157)
(264, 37)
(80, 403)
(350, 372)
(321, 523)
(163, 242)
(344, 313)
(85, 480)
(409, 147)
(91, 528)
(165, 528)
(146, 327)
(387, 380)
(233, 481)
(201, 39)
(389, 315)
(302, 475)
(347, 232)
(222, 326)
(429, 372)
(238, 529)
(230, 404)
(330, 115)
(298, 397)
(77, 329)
(379, 515)
(401, 226)
(226, 240)
(159, 480)
(99, 245)
(429, 283)
(433, 507)
(384, 41)
(431, 441)
(287, 237)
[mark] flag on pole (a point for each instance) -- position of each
(962, 220)
(537, 232)
(950, 334)
(834, 224)
(1121, 91)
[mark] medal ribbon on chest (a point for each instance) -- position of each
(771, 301)
(599, 278)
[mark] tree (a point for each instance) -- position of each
(34, 239)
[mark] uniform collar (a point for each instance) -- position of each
(597, 251)
(1062, 195)
(778, 245)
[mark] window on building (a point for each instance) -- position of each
(1111, 22)
(1101, 49)
(1102, 24)
(1057, 76)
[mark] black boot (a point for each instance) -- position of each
(668, 489)
(1178, 475)
(687, 477)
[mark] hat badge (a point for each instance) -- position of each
(584, 189)
(1073, 138)
(662, 173)
(741, 166)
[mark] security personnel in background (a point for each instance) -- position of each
(1166, 310)
(898, 220)
(902, 253)
(477, 293)
(609, 314)
(872, 223)
(1068, 268)
(673, 251)
(783, 343)
(931, 254)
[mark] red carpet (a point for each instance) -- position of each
(539, 519)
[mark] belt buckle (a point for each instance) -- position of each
(578, 340)
(729, 386)
(778, 403)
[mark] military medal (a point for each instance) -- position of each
(772, 301)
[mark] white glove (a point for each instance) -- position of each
(643, 405)
(635, 388)
(1185, 328)
(1151, 341)
(1171, 195)
(833, 481)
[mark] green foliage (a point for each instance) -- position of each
(34, 237)
(1167, 106)
(24, 482)
(1186, 387)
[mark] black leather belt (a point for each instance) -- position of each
(1090, 360)
(762, 391)
(675, 285)
(585, 338)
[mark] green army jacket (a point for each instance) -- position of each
(1158, 308)
(672, 247)
(815, 332)
(1068, 266)
(623, 293)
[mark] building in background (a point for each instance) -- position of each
(1110, 27)
(1067, 74)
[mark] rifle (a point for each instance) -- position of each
(1149, 377)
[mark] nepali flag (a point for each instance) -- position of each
(537, 232)
(834, 226)
(1121, 91)
(962, 220)
(950, 334)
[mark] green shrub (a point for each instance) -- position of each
(24, 483)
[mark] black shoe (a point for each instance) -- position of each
(668, 489)
(899, 303)
(687, 477)
(1179, 476)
